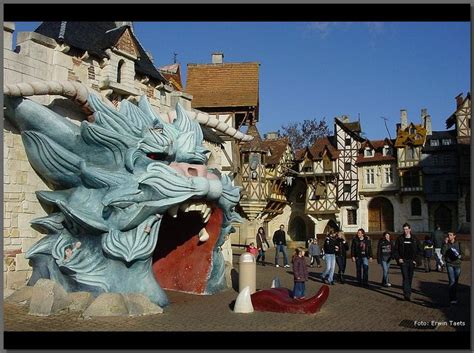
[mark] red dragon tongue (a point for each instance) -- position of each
(182, 262)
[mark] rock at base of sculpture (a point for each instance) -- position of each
(279, 300)
(20, 296)
(48, 297)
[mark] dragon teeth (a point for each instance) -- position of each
(203, 235)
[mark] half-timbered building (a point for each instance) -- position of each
(461, 121)
(230, 92)
(409, 143)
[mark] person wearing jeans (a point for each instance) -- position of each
(330, 258)
(451, 251)
(361, 253)
(279, 240)
(405, 251)
(384, 255)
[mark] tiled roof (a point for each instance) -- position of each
(96, 37)
(223, 85)
(299, 153)
(277, 148)
(404, 137)
(378, 156)
(321, 144)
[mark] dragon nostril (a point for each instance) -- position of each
(192, 172)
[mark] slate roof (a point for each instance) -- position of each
(277, 149)
(96, 37)
(255, 144)
(439, 135)
(223, 85)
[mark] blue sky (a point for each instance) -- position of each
(327, 69)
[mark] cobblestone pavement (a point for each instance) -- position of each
(348, 308)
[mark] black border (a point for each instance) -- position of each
(238, 12)
(239, 340)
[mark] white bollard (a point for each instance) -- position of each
(243, 303)
(247, 272)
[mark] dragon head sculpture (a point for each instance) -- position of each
(132, 205)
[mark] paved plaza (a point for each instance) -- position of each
(348, 308)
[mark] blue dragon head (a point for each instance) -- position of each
(132, 205)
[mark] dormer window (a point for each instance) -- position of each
(387, 151)
(434, 142)
(410, 152)
(418, 136)
(348, 141)
(369, 152)
(412, 130)
(446, 142)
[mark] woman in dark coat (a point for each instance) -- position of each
(262, 244)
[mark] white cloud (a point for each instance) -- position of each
(325, 28)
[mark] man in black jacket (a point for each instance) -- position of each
(406, 249)
(279, 240)
(361, 253)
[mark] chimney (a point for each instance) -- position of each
(403, 119)
(273, 135)
(427, 124)
(345, 119)
(424, 112)
(217, 58)
(459, 100)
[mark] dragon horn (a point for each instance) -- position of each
(76, 91)
(79, 93)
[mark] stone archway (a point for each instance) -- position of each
(297, 229)
(443, 217)
(380, 215)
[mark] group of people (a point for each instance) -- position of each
(406, 250)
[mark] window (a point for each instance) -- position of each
(369, 176)
(436, 186)
(412, 130)
(369, 152)
(347, 167)
(246, 158)
(434, 142)
(307, 169)
(388, 175)
(387, 151)
(411, 179)
(352, 217)
(348, 141)
(346, 188)
(415, 207)
(327, 164)
(446, 142)
(120, 70)
(410, 151)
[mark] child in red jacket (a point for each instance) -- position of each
(251, 248)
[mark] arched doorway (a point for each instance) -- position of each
(380, 215)
(297, 229)
(443, 217)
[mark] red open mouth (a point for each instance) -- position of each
(181, 261)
